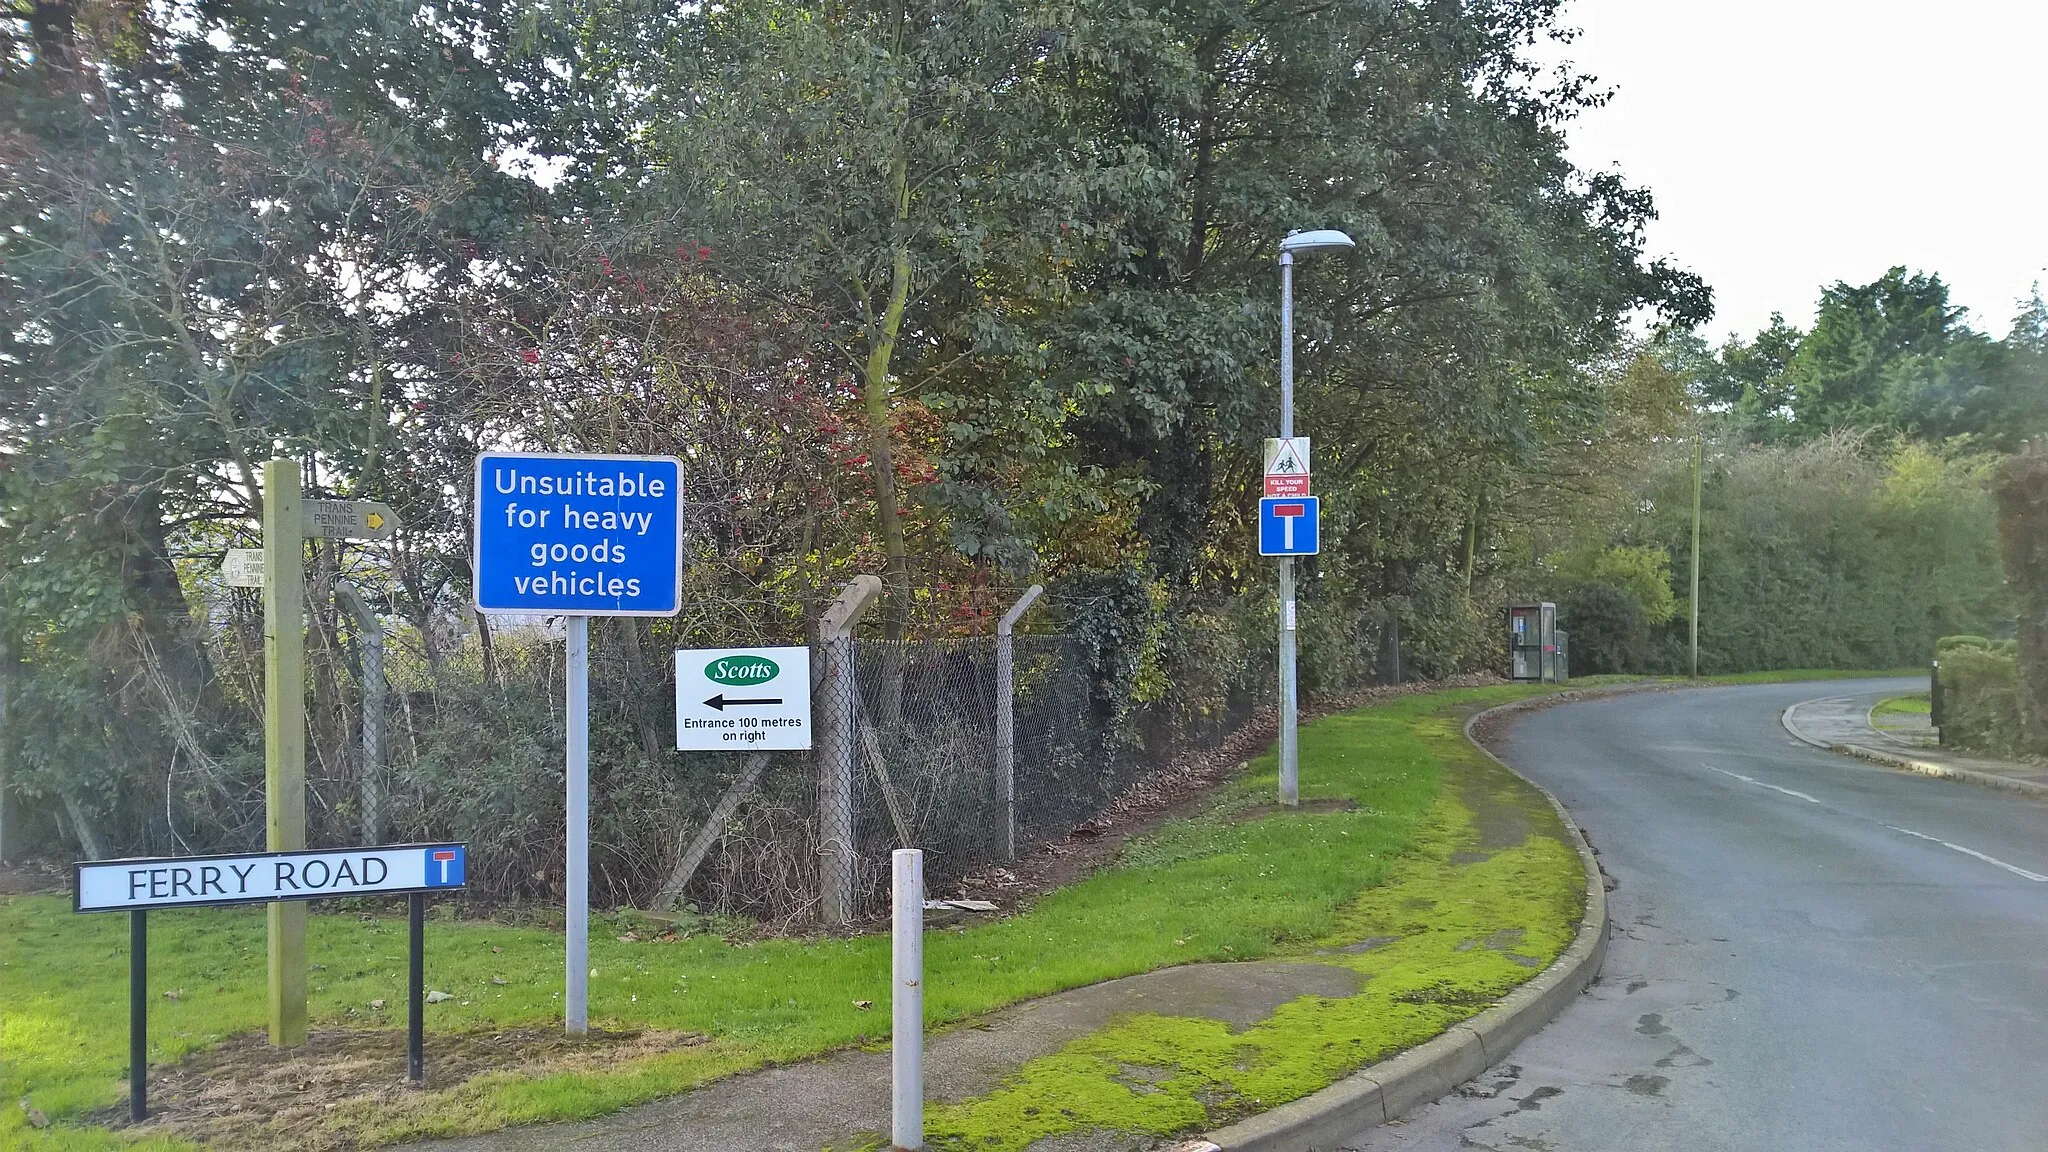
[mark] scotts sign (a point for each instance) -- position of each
(743, 699)
(741, 670)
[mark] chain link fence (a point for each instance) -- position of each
(976, 748)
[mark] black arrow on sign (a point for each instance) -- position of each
(720, 702)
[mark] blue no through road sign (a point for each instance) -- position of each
(578, 535)
(1288, 526)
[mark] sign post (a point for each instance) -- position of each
(1295, 242)
(287, 522)
(578, 536)
(138, 1015)
(284, 736)
(135, 886)
(576, 952)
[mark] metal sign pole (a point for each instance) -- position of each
(138, 1016)
(416, 982)
(575, 536)
(576, 998)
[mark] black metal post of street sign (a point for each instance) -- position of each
(138, 1015)
(414, 871)
(416, 982)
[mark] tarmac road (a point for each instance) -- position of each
(1809, 952)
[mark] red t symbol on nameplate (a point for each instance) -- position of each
(444, 859)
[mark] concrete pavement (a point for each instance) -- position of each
(842, 1100)
(1842, 724)
(1810, 952)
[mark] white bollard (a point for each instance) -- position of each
(906, 1130)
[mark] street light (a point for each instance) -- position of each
(1290, 761)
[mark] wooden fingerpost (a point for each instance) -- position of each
(284, 735)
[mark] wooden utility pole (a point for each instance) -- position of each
(284, 735)
(1699, 453)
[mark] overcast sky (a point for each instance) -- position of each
(1793, 143)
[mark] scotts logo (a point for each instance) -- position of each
(742, 670)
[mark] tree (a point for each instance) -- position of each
(860, 164)
(212, 223)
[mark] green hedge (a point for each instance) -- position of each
(1980, 697)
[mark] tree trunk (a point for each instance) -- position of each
(877, 397)
(89, 841)
(1472, 546)
(487, 650)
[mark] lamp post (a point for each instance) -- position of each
(1290, 763)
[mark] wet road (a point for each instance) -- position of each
(1809, 952)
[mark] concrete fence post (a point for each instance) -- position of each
(371, 630)
(837, 707)
(1006, 718)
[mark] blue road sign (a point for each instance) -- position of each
(447, 867)
(578, 535)
(1287, 526)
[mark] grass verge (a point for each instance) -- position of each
(1902, 711)
(1208, 888)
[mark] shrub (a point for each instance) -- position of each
(1980, 701)
(2022, 488)
(1610, 632)
(1830, 554)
